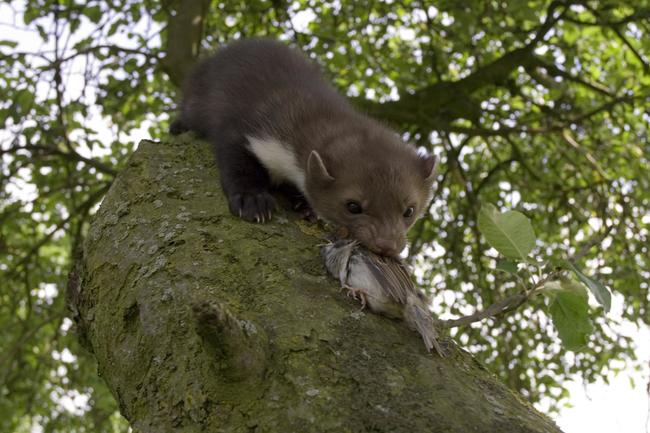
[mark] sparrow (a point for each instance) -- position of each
(383, 284)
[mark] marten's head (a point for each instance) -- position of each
(376, 196)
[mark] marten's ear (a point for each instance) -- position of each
(428, 164)
(316, 169)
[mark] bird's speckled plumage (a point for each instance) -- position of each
(383, 284)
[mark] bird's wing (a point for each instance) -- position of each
(392, 276)
(399, 275)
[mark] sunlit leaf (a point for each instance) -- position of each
(510, 233)
(570, 313)
(600, 292)
(7, 43)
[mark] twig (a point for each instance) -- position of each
(566, 136)
(500, 165)
(500, 307)
(504, 306)
(596, 240)
(636, 53)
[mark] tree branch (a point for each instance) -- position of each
(246, 357)
(568, 138)
(636, 16)
(72, 154)
(553, 69)
(524, 129)
(614, 26)
(594, 241)
(636, 53)
(439, 103)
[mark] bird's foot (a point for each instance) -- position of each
(360, 294)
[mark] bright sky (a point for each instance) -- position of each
(598, 408)
(617, 407)
(612, 408)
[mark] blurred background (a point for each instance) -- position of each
(538, 106)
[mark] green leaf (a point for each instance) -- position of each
(10, 44)
(507, 266)
(570, 313)
(600, 292)
(74, 24)
(30, 14)
(23, 101)
(510, 233)
(83, 43)
(115, 27)
(94, 13)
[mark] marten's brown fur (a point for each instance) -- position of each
(274, 119)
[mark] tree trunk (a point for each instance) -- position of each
(182, 36)
(201, 322)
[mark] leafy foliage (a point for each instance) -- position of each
(538, 106)
(512, 235)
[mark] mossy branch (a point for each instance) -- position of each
(202, 322)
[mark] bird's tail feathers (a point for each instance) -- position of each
(419, 318)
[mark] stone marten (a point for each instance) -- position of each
(273, 119)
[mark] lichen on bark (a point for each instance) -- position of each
(202, 322)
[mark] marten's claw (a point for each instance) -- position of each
(256, 207)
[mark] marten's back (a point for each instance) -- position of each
(253, 84)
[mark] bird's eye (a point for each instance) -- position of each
(408, 213)
(353, 207)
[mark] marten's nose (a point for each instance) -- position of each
(385, 247)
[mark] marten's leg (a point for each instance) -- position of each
(297, 201)
(178, 126)
(244, 180)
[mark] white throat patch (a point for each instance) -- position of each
(279, 160)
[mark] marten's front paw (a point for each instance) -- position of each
(253, 207)
(302, 206)
(308, 214)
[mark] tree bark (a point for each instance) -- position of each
(182, 36)
(201, 322)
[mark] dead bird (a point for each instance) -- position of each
(383, 284)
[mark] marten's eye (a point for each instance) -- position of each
(353, 207)
(408, 213)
